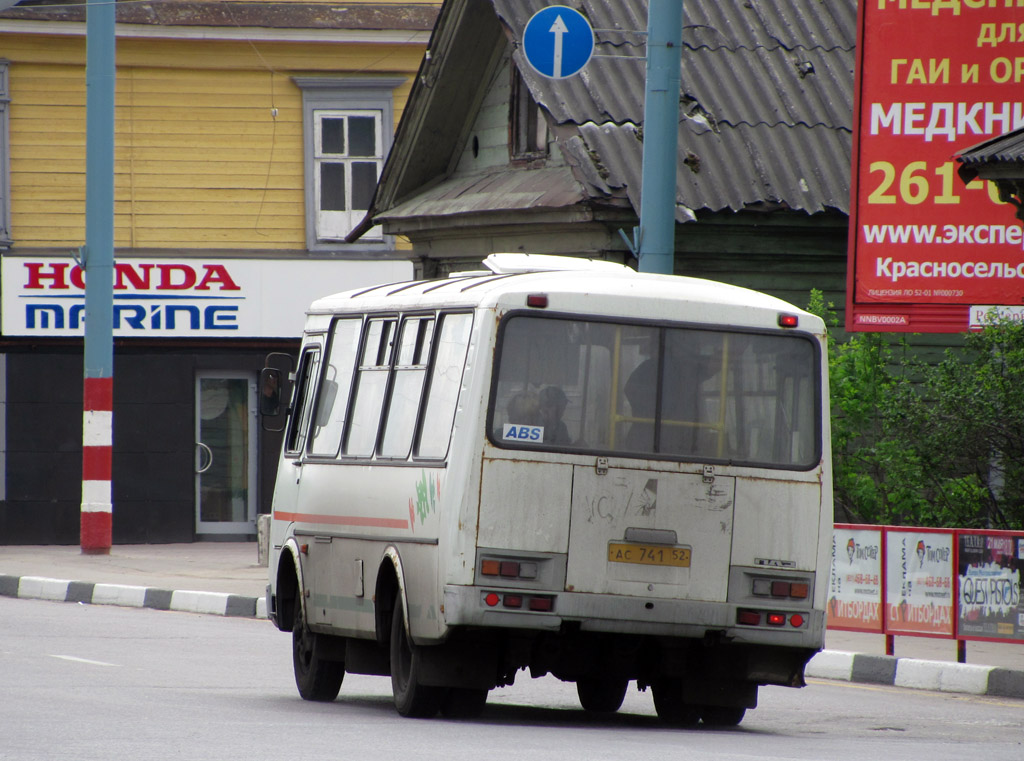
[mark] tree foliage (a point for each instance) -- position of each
(928, 444)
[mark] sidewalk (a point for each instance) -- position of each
(225, 578)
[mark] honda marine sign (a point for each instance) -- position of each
(198, 298)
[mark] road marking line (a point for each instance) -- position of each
(73, 659)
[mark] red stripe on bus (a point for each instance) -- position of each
(342, 520)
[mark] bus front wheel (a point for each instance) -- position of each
(412, 699)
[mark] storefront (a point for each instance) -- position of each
(190, 460)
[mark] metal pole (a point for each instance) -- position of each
(655, 238)
(98, 263)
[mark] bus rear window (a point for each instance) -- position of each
(659, 392)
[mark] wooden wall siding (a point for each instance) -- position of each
(201, 160)
(491, 126)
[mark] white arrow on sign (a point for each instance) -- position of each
(558, 29)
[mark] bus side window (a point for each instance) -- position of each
(302, 402)
(332, 403)
(371, 385)
(445, 381)
(407, 386)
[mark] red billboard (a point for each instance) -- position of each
(928, 253)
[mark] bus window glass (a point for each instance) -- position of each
(305, 383)
(445, 381)
(554, 383)
(332, 402)
(678, 393)
(371, 385)
(407, 386)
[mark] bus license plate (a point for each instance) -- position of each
(649, 554)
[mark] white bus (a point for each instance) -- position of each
(556, 465)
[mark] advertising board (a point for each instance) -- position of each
(989, 571)
(855, 584)
(934, 77)
(919, 582)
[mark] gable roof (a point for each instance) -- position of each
(765, 104)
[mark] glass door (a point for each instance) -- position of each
(225, 453)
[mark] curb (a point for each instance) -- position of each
(184, 601)
(937, 676)
(839, 665)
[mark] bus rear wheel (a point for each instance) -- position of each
(722, 716)
(463, 702)
(670, 705)
(601, 694)
(412, 699)
(317, 679)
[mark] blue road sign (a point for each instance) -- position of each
(558, 41)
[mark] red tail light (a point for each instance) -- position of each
(748, 618)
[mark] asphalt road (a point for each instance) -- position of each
(97, 682)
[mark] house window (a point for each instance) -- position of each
(347, 159)
(348, 126)
(5, 166)
(529, 130)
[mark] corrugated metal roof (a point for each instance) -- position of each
(766, 98)
(737, 168)
(1008, 148)
(519, 190)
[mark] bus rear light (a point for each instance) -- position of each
(776, 619)
(796, 620)
(748, 617)
(788, 321)
(517, 601)
(780, 588)
(509, 569)
(527, 570)
(538, 300)
(542, 604)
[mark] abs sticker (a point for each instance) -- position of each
(528, 433)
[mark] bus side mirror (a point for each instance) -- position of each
(271, 383)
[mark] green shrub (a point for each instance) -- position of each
(928, 445)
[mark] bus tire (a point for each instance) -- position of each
(412, 699)
(317, 679)
(601, 694)
(670, 705)
(722, 716)
(463, 702)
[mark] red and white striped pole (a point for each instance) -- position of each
(97, 440)
(98, 262)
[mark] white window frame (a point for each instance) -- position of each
(336, 224)
(344, 96)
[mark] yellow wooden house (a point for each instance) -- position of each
(249, 139)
